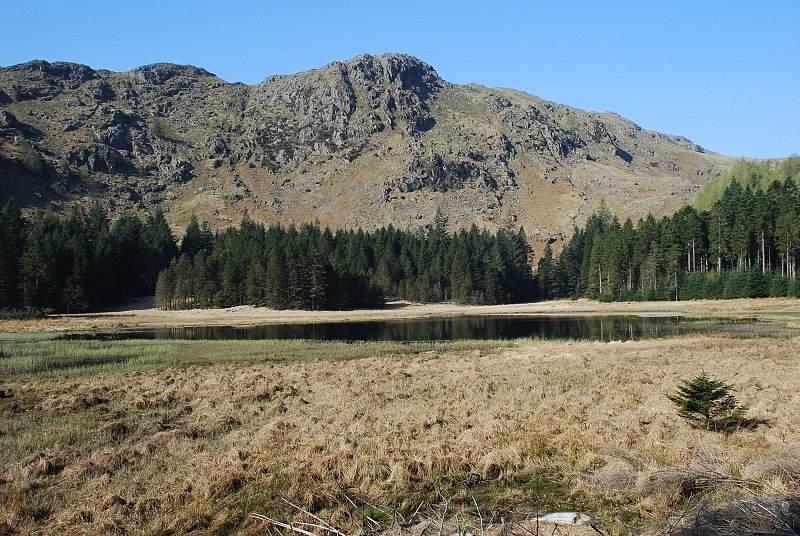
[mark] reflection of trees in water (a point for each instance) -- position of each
(604, 328)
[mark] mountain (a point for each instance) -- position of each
(362, 143)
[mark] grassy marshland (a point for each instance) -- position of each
(162, 437)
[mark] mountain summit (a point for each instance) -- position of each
(366, 142)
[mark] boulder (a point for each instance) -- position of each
(73, 123)
(8, 120)
(182, 171)
(99, 90)
(117, 137)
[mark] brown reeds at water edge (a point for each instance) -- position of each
(182, 437)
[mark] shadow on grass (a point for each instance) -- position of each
(751, 424)
(758, 515)
(728, 427)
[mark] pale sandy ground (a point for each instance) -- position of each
(782, 309)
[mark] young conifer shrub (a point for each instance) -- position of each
(706, 402)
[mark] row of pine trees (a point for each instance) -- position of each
(82, 261)
(311, 268)
(746, 245)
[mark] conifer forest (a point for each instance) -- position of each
(746, 244)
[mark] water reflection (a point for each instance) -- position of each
(600, 328)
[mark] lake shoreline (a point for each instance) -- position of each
(141, 316)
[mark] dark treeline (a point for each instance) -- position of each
(80, 262)
(311, 268)
(84, 262)
(746, 245)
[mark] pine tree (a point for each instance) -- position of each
(124, 262)
(255, 284)
(568, 267)
(628, 261)
(545, 275)
(460, 274)
(318, 282)
(184, 283)
(12, 243)
(787, 230)
(165, 288)
(159, 246)
(276, 294)
(205, 284)
(38, 263)
(196, 238)
(707, 402)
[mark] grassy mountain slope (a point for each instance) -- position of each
(758, 174)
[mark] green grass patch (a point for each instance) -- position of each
(47, 356)
(23, 434)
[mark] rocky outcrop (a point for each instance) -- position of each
(323, 110)
(43, 80)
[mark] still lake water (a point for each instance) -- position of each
(547, 327)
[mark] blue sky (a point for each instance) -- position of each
(725, 74)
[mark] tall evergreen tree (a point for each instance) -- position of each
(196, 238)
(546, 275)
(159, 246)
(12, 243)
(38, 263)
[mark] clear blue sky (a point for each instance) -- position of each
(725, 74)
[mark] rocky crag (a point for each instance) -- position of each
(362, 143)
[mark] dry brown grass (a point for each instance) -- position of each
(542, 425)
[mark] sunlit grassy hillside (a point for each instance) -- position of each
(754, 173)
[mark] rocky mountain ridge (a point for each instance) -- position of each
(366, 142)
